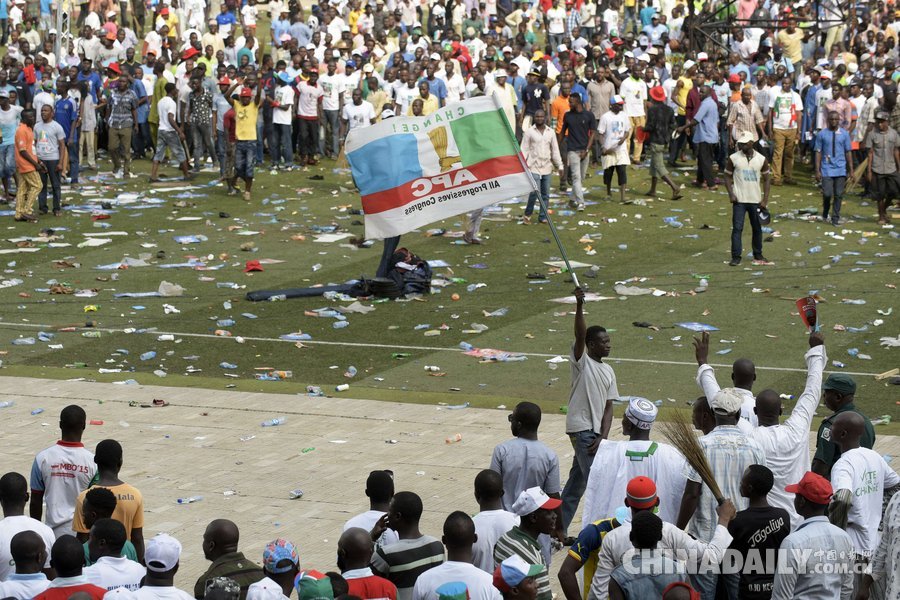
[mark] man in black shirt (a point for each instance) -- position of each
(659, 127)
(535, 97)
(758, 532)
(578, 130)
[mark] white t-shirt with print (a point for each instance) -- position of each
(358, 116)
(62, 471)
(284, 96)
(115, 572)
(865, 473)
(249, 13)
(162, 593)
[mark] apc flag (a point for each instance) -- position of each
(412, 171)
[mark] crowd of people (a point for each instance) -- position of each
(779, 525)
(612, 83)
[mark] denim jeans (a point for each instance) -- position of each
(706, 585)
(260, 140)
(51, 177)
(141, 142)
(74, 166)
(738, 211)
(543, 182)
(282, 150)
(203, 143)
(832, 191)
(245, 159)
(390, 246)
(578, 474)
(220, 151)
(630, 21)
(332, 128)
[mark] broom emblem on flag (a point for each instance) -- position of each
(438, 137)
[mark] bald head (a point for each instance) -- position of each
(28, 551)
(355, 549)
(768, 408)
(743, 373)
(221, 537)
(847, 429)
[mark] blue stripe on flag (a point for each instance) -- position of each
(386, 163)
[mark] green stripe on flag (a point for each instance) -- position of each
(482, 136)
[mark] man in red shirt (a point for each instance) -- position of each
(230, 142)
(355, 550)
(66, 558)
(27, 167)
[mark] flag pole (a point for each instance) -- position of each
(537, 191)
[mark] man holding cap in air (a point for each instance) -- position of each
(162, 555)
(837, 394)
(883, 144)
(743, 172)
(538, 515)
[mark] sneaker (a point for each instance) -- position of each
(734, 262)
(526, 220)
(762, 261)
(233, 192)
(247, 196)
(581, 207)
(117, 175)
(469, 239)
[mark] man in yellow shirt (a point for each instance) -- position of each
(129, 502)
(430, 102)
(791, 40)
(683, 86)
(246, 113)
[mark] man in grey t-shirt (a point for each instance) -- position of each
(590, 412)
(50, 147)
(524, 462)
(883, 143)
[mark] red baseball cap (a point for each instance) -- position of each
(252, 265)
(813, 487)
(110, 36)
(641, 493)
(189, 53)
(225, 81)
(658, 93)
(734, 78)
(246, 93)
(164, 11)
(114, 67)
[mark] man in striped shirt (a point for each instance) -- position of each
(402, 562)
(538, 513)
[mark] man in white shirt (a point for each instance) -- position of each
(617, 463)
(787, 444)
(859, 478)
(456, 85)
(634, 91)
(30, 555)
(785, 116)
(743, 374)
(111, 570)
(492, 521)
(13, 497)
(61, 472)
(459, 536)
(379, 490)
(641, 495)
(540, 148)
(332, 84)
(162, 555)
(358, 113)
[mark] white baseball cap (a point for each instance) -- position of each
(162, 553)
(506, 49)
(435, 56)
(728, 401)
(533, 499)
(499, 73)
(688, 64)
(702, 56)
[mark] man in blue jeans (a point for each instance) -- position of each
(590, 404)
(541, 151)
(834, 163)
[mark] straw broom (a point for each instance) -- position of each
(858, 173)
(680, 433)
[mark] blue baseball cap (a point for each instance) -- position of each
(512, 571)
(350, 63)
(277, 552)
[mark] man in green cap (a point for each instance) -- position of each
(837, 393)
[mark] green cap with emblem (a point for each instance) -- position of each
(840, 383)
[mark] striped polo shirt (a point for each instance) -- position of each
(402, 562)
(517, 542)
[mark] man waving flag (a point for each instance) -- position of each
(412, 171)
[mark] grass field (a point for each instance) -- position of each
(752, 306)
